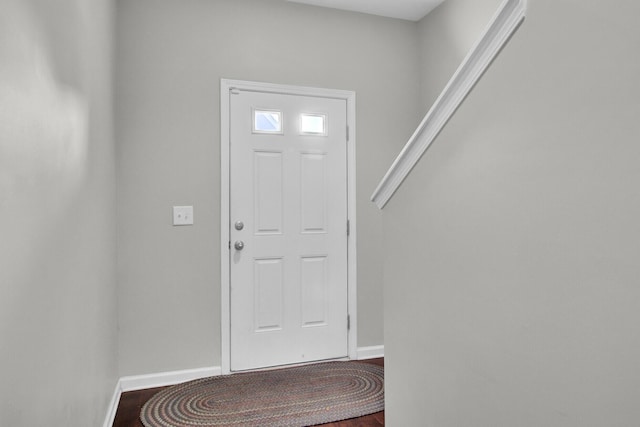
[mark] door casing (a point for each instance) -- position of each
(226, 86)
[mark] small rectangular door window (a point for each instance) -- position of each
(313, 124)
(267, 121)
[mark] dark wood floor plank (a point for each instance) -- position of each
(128, 413)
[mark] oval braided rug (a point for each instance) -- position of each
(299, 396)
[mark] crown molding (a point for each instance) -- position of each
(503, 25)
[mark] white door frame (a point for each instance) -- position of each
(226, 86)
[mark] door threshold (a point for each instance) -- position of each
(293, 365)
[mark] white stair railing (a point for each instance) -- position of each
(503, 25)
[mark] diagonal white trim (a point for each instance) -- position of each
(503, 25)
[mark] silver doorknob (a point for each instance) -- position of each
(239, 245)
(239, 225)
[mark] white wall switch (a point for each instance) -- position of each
(183, 215)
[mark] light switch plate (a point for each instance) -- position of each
(183, 215)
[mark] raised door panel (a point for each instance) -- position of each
(268, 189)
(313, 284)
(267, 291)
(313, 192)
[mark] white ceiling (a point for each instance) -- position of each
(412, 10)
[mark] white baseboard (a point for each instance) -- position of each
(113, 406)
(162, 379)
(141, 382)
(371, 352)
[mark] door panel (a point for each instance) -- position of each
(268, 286)
(289, 190)
(268, 212)
(314, 290)
(313, 212)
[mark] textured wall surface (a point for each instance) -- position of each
(57, 205)
(517, 303)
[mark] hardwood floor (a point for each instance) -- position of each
(131, 403)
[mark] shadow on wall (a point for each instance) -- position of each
(43, 163)
(44, 122)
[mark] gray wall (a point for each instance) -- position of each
(517, 303)
(57, 203)
(171, 56)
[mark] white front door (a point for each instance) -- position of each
(288, 229)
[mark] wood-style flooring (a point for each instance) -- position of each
(128, 414)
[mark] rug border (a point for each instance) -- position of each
(315, 414)
(163, 379)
